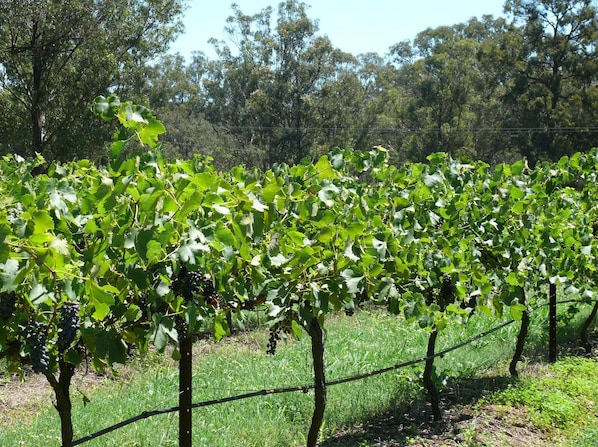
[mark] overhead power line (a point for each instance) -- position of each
(419, 130)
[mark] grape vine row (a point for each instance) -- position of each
(304, 240)
(113, 256)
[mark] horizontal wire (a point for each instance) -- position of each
(593, 129)
(307, 387)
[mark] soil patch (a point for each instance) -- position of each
(22, 398)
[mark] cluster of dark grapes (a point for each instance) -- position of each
(273, 340)
(35, 339)
(68, 325)
(360, 298)
(212, 296)
(191, 284)
(276, 331)
(8, 304)
(446, 291)
(209, 292)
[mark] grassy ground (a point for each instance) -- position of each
(385, 410)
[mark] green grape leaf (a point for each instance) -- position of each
(516, 311)
(220, 325)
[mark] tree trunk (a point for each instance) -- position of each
(520, 340)
(317, 351)
(38, 119)
(63, 405)
(428, 382)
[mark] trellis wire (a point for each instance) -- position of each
(306, 388)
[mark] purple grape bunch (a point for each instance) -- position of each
(276, 331)
(192, 284)
(273, 340)
(35, 339)
(68, 325)
(8, 305)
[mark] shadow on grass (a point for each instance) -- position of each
(407, 420)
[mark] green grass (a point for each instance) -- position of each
(562, 403)
(364, 342)
(589, 438)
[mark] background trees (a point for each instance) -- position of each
(265, 91)
(554, 85)
(55, 57)
(491, 88)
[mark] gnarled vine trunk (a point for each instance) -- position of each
(428, 380)
(63, 405)
(520, 340)
(185, 390)
(584, 336)
(552, 341)
(317, 351)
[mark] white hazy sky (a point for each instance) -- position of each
(353, 26)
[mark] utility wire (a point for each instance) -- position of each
(582, 129)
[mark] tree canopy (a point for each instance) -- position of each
(56, 56)
(278, 90)
(490, 88)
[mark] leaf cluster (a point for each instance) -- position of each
(430, 242)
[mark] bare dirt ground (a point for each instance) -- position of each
(461, 425)
(21, 399)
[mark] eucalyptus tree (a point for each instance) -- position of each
(264, 89)
(173, 90)
(494, 68)
(56, 56)
(350, 107)
(553, 92)
(497, 66)
(440, 75)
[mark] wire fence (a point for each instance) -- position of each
(305, 388)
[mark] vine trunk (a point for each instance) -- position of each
(317, 351)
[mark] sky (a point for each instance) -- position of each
(352, 26)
